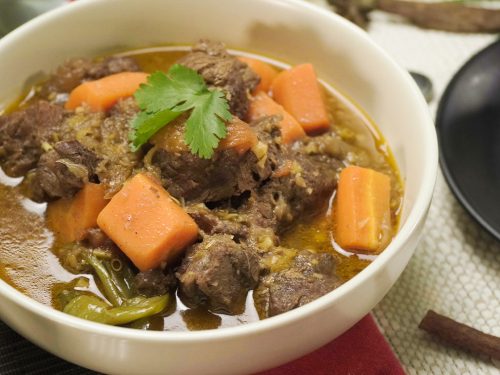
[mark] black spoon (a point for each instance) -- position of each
(424, 84)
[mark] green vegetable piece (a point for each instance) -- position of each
(122, 278)
(116, 284)
(93, 308)
(204, 128)
(145, 125)
(63, 293)
(164, 91)
(166, 96)
(110, 290)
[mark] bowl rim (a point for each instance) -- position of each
(418, 212)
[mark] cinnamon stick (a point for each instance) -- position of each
(461, 335)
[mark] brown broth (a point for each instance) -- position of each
(28, 264)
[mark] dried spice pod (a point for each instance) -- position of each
(461, 335)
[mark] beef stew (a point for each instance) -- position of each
(263, 204)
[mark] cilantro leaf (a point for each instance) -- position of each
(166, 96)
(186, 80)
(145, 125)
(167, 90)
(151, 95)
(205, 127)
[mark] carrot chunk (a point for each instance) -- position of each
(69, 218)
(265, 71)
(298, 91)
(240, 136)
(146, 223)
(362, 216)
(103, 93)
(262, 105)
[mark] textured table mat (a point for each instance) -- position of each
(455, 270)
(456, 267)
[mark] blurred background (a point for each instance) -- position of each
(15, 12)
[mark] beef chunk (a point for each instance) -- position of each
(311, 180)
(299, 182)
(189, 177)
(201, 180)
(67, 77)
(220, 69)
(308, 277)
(112, 145)
(22, 134)
(269, 134)
(112, 65)
(218, 222)
(155, 282)
(62, 171)
(218, 273)
(75, 71)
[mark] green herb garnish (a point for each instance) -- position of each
(166, 96)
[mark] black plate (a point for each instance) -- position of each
(468, 127)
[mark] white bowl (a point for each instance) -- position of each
(289, 30)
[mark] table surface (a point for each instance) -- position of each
(455, 269)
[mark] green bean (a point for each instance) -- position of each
(63, 293)
(110, 290)
(95, 309)
(122, 279)
(102, 254)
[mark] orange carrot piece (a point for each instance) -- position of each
(298, 91)
(240, 136)
(146, 223)
(69, 218)
(362, 210)
(262, 105)
(265, 71)
(105, 92)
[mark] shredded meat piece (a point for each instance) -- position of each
(308, 277)
(76, 71)
(61, 172)
(193, 179)
(155, 282)
(218, 273)
(23, 133)
(222, 70)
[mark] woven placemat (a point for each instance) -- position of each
(455, 270)
(456, 267)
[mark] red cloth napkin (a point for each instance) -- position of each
(361, 350)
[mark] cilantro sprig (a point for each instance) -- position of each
(166, 96)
